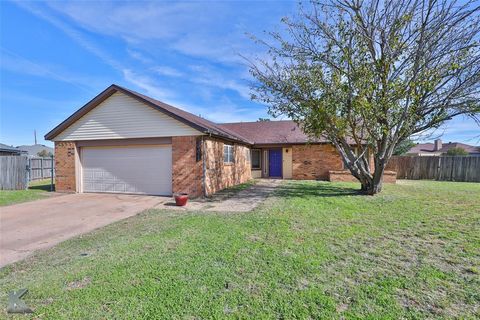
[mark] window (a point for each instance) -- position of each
(228, 153)
(198, 150)
(256, 163)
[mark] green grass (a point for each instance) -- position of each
(319, 250)
(36, 190)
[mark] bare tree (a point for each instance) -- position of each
(367, 74)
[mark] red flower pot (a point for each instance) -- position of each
(181, 199)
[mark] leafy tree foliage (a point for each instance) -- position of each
(403, 146)
(457, 151)
(44, 153)
(367, 74)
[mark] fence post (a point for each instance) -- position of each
(41, 168)
(439, 164)
(29, 170)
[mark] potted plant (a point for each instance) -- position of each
(181, 199)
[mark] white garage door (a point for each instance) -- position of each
(142, 170)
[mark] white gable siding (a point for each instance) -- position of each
(120, 117)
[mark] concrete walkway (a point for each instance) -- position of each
(226, 201)
(245, 200)
(41, 224)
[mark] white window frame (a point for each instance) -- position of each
(228, 156)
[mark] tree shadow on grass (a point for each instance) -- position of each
(315, 189)
(43, 187)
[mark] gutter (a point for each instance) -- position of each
(223, 137)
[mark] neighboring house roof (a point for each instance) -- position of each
(425, 148)
(192, 120)
(34, 149)
(270, 132)
(11, 149)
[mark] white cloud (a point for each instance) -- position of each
(207, 32)
(205, 76)
(139, 56)
(14, 62)
(214, 30)
(221, 111)
(74, 34)
(141, 81)
(51, 104)
(136, 21)
(148, 85)
(167, 71)
(460, 129)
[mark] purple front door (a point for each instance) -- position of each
(275, 163)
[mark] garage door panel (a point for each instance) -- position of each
(143, 170)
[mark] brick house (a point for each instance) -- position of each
(125, 142)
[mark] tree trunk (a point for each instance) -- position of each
(375, 185)
(371, 183)
(374, 188)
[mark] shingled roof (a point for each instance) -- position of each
(201, 124)
(11, 149)
(426, 148)
(270, 132)
(259, 133)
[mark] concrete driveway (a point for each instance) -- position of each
(41, 224)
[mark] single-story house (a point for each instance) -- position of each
(34, 149)
(438, 148)
(125, 142)
(6, 150)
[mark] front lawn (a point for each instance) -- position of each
(36, 190)
(319, 250)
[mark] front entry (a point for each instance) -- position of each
(275, 163)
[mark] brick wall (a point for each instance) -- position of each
(186, 171)
(220, 175)
(345, 176)
(389, 177)
(65, 166)
(314, 161)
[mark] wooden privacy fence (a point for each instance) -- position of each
(458, 168)
(17, 171)
(40, 168)
(13, 172)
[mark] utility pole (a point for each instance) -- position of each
(35, 135)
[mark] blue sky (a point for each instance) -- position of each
(56, 56)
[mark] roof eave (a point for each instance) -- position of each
(228, 138)
(111, 90)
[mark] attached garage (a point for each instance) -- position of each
(125, 142)
(129, 169)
